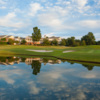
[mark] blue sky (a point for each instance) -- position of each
(64, 18)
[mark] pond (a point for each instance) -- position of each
(46, 79)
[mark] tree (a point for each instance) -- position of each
(77, 42)
(23, 41)
(90, 34)
(36, 35)
(3, 40)
(63, 42)
(54, 42)
(98, 42)
(11, 41)
(89, 39)
(71, 41)
(83, 43)
(46, 41)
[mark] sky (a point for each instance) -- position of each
(63, 18)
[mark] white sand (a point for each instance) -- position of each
(68, 51)
(40, 50)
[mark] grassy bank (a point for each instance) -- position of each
(82, 53)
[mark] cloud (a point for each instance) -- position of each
(2, 2)
(90, 23)
(48, 20)
(10, 20)
(34, 8)
(81, 3)
(6, 75)
(2, 7)
(97, 35)
(33, 88)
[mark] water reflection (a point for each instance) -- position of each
(34, 62)
(52, 80)
(36, 66)
(89, 67)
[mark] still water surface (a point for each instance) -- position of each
(45, 79)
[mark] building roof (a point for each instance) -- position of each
(16, 36)
(9, 36)
(2, 36)
(53, 37)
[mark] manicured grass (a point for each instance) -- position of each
(82, 53)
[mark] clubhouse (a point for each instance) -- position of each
(28, 39)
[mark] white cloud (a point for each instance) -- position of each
(33, 88)
(90, 23)
(2, 7)
(2, 2)
(97, 35)
(81, 3)
(6, 75)
(34, 8)
(10, 20)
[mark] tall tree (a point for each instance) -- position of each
(36, 35)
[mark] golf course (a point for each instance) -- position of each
(89, 53)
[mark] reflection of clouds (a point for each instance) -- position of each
(51, 76)
(55, 81)
(33, 88)
(7, 75)
(87, 75)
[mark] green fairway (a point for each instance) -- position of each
(81, 53)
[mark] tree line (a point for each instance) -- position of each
(88, 39)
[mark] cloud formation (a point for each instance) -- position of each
(60, 16)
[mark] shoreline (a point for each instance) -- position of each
(77, 61)
(79, 54)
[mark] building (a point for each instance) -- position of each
(5, 38)
(52, 38)
(17, 38)
(29, 40)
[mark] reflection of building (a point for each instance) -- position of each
(28, 61)
(54, 62)
(10, 61)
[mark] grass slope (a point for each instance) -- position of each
(83, 53)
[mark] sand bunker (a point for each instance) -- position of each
(40, 50)
(68, 51)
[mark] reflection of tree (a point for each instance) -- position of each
(45, 61)
(36, 66)
(7, 59)
(71, 62)
(89, 67)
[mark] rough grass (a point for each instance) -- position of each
(83, 53)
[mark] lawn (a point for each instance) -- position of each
(81, 53)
